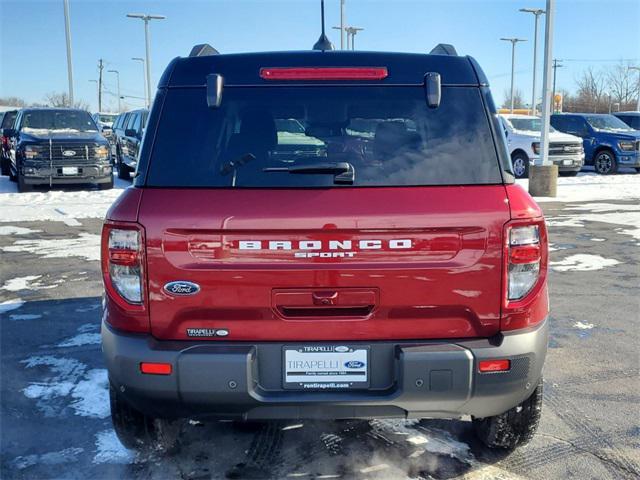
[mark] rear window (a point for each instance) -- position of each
(307, 136)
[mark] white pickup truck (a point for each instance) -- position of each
(523, 142)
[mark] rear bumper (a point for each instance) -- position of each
(429, 379)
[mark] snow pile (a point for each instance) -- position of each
(86, 245)
(589, 186)
(582, 262)
(56, 205)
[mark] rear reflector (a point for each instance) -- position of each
(525, 254)
(494, 365)
(156, 368)
(323, 73)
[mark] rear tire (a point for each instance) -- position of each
(514, 427)
(520, 163)
(137, 431)
(22, 186)
(106, 186)
(4, 166)
(605, 163)
(123, 171)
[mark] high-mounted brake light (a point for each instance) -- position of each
(324, 73)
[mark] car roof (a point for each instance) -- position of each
(45, 109)
(243, 68)
(631, 114)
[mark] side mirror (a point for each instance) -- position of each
(130, 132)
(432, 89)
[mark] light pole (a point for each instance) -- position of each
(543, 175)
(67, 32)
(145, 19)
(342, 20)
(118, 85)
(513, 61)
(352, 31)
(536, 12)
(144, 78)
(638, 70)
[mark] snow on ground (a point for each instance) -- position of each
(13, 230)
(582, 262)
(67, 455)
(58, 205)
(81, 339)
(109, 449)
(27, 283)
(69, 384)
(86, 245)
(583, 326)
(589, 186)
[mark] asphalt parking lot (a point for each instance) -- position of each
(55, 415)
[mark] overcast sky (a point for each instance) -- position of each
(33, 58)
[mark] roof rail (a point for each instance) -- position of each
(444, 49)
(203, 50)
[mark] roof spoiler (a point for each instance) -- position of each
(444, 49)
(203, 50)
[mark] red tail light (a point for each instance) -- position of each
(525, 273)
(123, 274)
(323, 73)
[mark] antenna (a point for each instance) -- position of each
(323, 42)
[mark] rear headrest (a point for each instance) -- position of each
(259, 129)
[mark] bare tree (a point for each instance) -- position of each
(591, 95)
(518, 101)
(61, 99)
(623, 86)
(13, 101)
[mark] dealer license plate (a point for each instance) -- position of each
(69, 170)
(326, 367)
(567, 162)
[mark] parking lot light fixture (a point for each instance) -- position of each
(513, 62)
(145, 18)
(536, 12)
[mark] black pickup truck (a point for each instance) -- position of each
(57, 146)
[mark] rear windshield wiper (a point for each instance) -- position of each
(343, 171)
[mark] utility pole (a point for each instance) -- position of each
(536, 12)
(145, 19)
(100, 67)
(118, 86)
(555, 67)
(67, 32)
(638, 70)
(513, 62)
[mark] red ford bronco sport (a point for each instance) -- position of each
(324, 234)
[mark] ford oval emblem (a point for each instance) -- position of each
(181, 288)
(341, 349)
(68, 153)
(354, 364)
